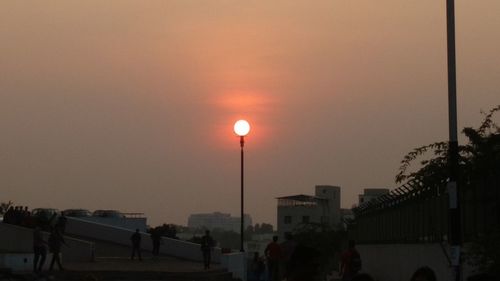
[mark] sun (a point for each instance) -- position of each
(241, 128)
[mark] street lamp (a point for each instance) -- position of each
(241, 128)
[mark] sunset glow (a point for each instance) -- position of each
(98, 98)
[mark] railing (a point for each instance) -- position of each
(418, 212)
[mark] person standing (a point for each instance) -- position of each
(273, 255)
(55, 243)
(39, 250)
(207, 244)
(136, 244)
(350, 262)
(156, 239)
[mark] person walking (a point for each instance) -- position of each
(136, 244)
(273, 255)
(39, 249)
(55, 243)
(207, 244)
(350, 262)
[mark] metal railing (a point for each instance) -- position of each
(417, 212)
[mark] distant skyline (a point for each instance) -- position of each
(130, 105)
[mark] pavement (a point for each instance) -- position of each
(161, 264)
(121, 268)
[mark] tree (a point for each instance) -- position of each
(265, 228)
(478, 158)
(324, 241)
(167, 230)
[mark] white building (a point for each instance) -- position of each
(295, 210)
(371, 193)
(218, 220)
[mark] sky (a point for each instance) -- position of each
(129, 105)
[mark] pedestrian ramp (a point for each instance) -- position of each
(112, 240)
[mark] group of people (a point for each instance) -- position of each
(18, 215)
(278, 259)
(54, 244)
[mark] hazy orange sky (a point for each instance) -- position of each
(129, 105)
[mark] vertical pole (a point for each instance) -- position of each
(453, 188)
(242, 142)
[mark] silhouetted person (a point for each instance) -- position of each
(207, 244)
(39, 250)
(287, 249)
(18, 215)
(55, 243)
(136, 244)
(350, 262)
(26, 217)
(156, 239)
(52, 221)
(273, 255)
(424, 274)
(257, 267)
(61, 223)
(8, 217)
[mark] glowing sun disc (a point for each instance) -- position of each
(241, 128)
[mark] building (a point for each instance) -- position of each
(371, 193)
(295, 210)
(218, 220)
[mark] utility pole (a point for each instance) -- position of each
(453, 187)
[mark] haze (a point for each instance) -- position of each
(130, 105)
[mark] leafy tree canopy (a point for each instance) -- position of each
(479, 157)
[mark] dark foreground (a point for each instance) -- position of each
(114, 269)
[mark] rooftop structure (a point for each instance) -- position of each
(295, 210)
(371, 194)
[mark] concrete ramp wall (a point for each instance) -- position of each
(395, 262)
(16, 239)
(121, 236)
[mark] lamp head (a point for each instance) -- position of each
(241, 128)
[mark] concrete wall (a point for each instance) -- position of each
(17, 261)
(396, 262)
(236, 264)
(121, 236)
(16, 239)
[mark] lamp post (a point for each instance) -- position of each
(241, 128)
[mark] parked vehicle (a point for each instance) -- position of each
(45, 217)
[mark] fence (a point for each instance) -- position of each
(418, 213)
